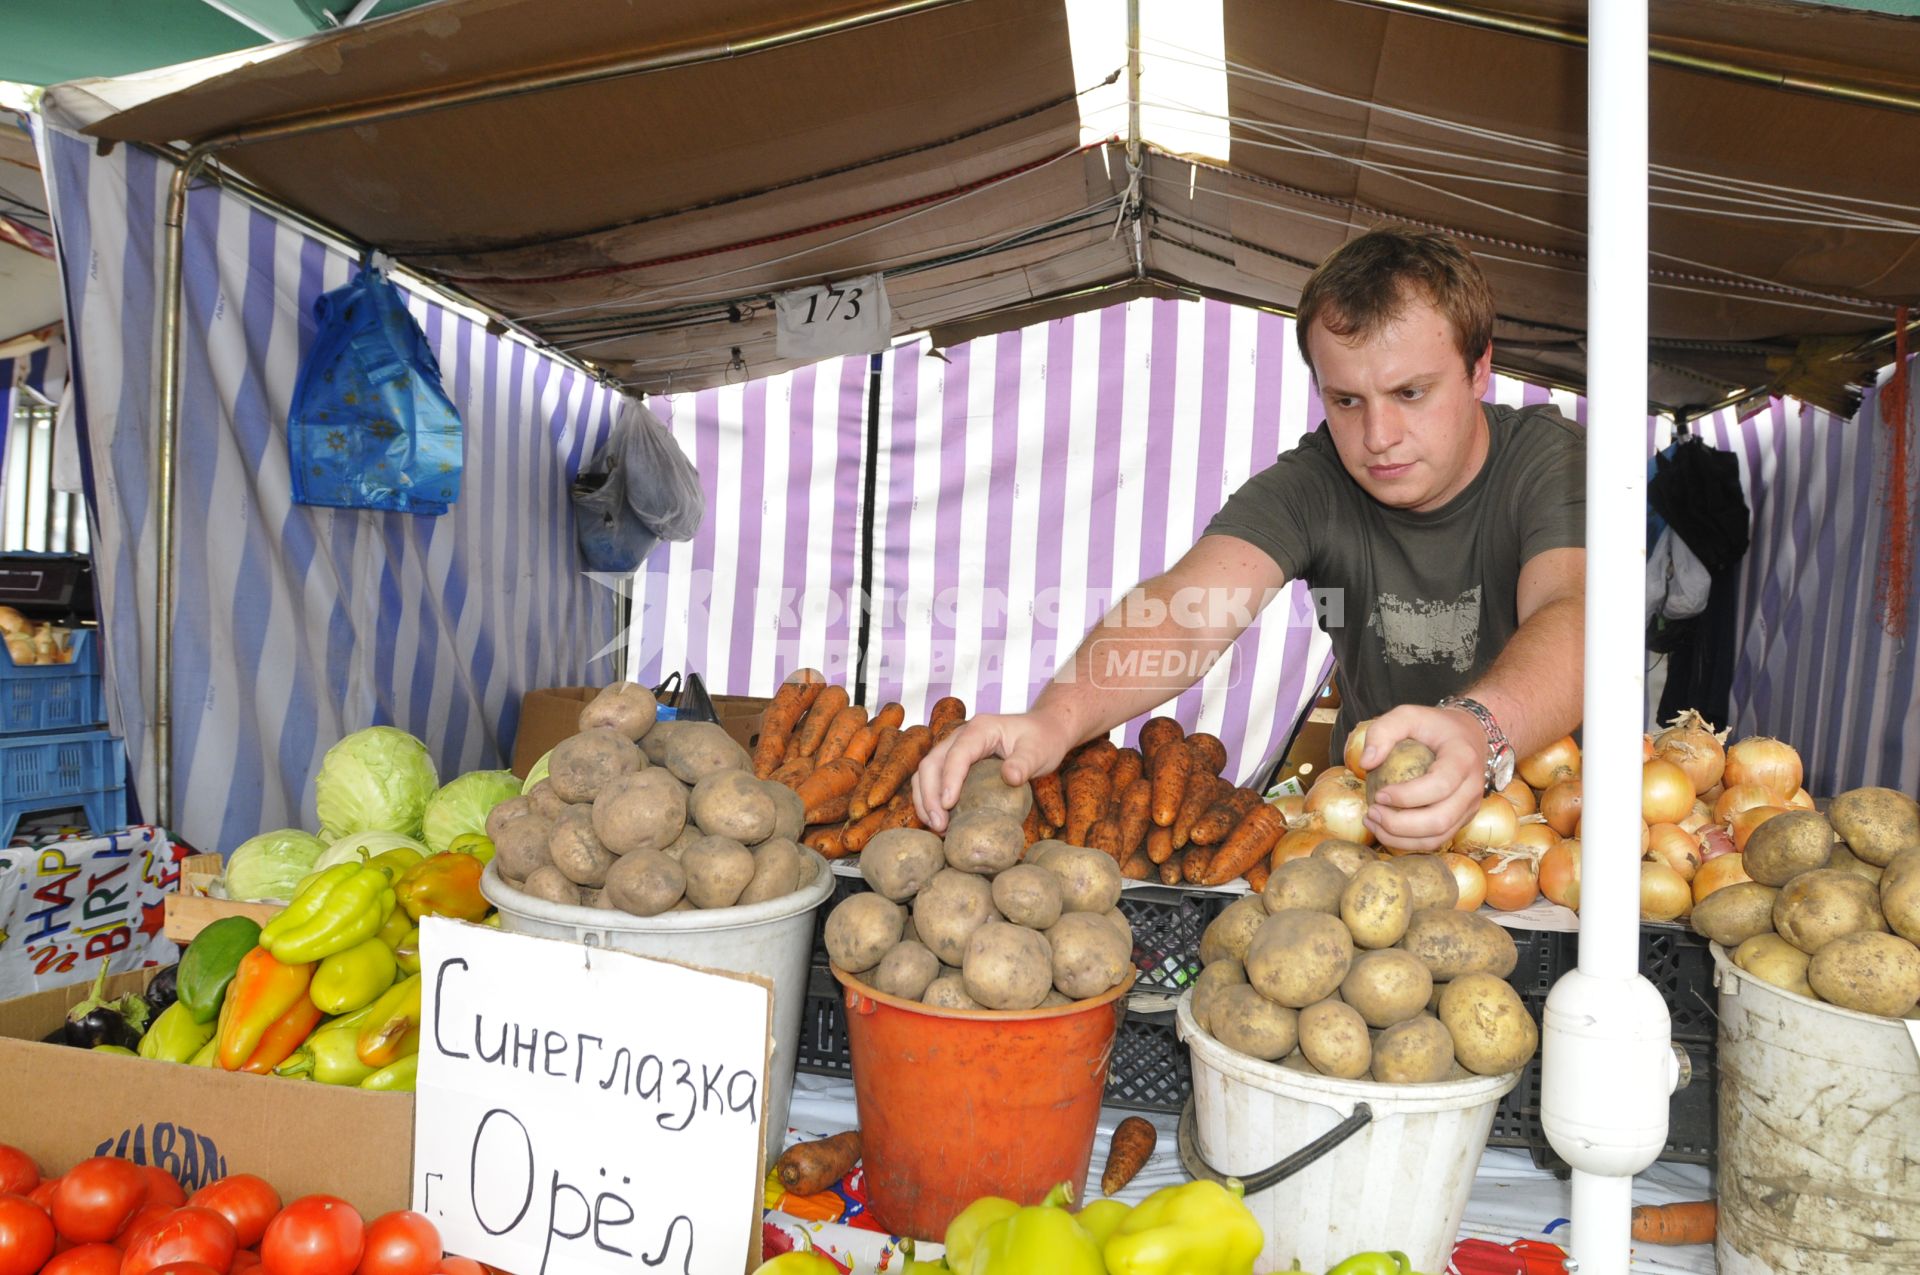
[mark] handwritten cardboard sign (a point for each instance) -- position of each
(582, 1109)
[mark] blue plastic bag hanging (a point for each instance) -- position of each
(371, 426)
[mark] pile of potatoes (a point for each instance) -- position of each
(648, 816)
(1833, 907)
(977, 920)
(1358, 967)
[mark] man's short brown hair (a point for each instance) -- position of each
(1366, 283)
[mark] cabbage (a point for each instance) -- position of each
(270, 865)
(538, 772)
(374, 780)
(462, 805)
(360, 847)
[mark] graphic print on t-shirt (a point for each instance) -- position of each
(1416, 632)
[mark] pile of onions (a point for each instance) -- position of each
(1492, 827)
(1553, 764)
(1537, 838)
(1702, 816)
(1747, 820)
(1560, 874)
(1715, 841)
(1513, 884)
(1717, 873)
(1666, 794)
(1471, 879)
(1771, 764)
(1290, 805)
(1691, 744)
(1524, 802)
(1561, 806)
(1303, 836)
(1664, 894)
(1676, 847)
(1801, 800)
(1737, 797)
(1341, 802)
(1356, 744)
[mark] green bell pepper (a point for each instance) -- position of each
(342, 907)
(210, 963)
(209, 1054)
(395, 1077)
(477, 844)
(1394, 1263)
(1042, 1240)
(329, 1055)
(352, 979)
(970, 1224)
(175, 1036)
(1196, 1226)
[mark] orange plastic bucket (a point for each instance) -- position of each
(956, 1104)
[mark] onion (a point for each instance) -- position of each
(1356, 745)
(1536, 837)
(1712, 794)
(1646, 835)
(1664, 895)
(1491, 828)
(1561, 805)
(1770, 763)
(1666, 794)
(1801, 800)
(1557, 761)
(1524, 802)
(1714, 874)
(1291, 806)
(1341, 802)
(1298, 843)
(1560, 874)
(1646, 748)
(1334, 775)
(1676, 847)
(1471, 879)
(1702, 816)
(1715, 841)
(1747, 820)
(1512, 885)
(1690, 744)
(1740, 797)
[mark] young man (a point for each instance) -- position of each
(1454, 532)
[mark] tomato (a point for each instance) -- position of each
(43, 1194)
(185, 1268)
(143, 1223)
(18, 1173)
(163, 1187)
(401, 1243)
(188, 1234)
(96, 1197)
(315, 1235)
(243, 1261)
(26, 1236)
(88, 1259)
(451, 1265)
(244, 1200)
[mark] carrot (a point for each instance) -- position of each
(808, 1168)
(1170, 768)
(1127, 1153)
(1202, 788)
(1052, 801)
(1688, 1222)
(1208, 752)
(864, 743)
(791, 771)
(1159, 844)
(813, 729)
(1137, 867)
(884, 741)
(1135, 815)
(1098, 751)
(915, 742)
(1257, 876)
(1034, 826)
(777, 723)
(840, 732)
(1104, 836)
(898, 813)
(832, 810)
(1156, 733)
(1194, 866)
(1250, 843)
(948, 712)
(829, 839)
(1086, 801)
(1224, 815)
(1128, 765)
(834, 780)
(890, 714)
(1170, 871)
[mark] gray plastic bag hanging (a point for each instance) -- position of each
(639, 489)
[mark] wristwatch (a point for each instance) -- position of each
(1500, 758)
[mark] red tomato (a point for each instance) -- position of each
(43, 1194)
(185, 1268)
(18, 1173)
(26, 1236)
(142, 1224)
(186, 1235)
(243, 1261)
(96, 1197)
(88, 1259)
(451, 1265)
(315, 1235)
(401, 1243)
(163, 1187)
(244, 1200)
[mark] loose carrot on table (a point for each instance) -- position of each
(1224, 815)
(898, 813)
(808, 1168)
(1127, 1154)
(1171, 871)
(1086, 787)
(1135, 816)
(777, 724)
(947, 713)
(1128, 765)
(834, 780)
(791, 771)
(1156, 733)
(1170, 768)
(1208, 752)
(885, 779)
(813, 727)
(1052, 801)
(1688, 1222)
(1202, 788)
(1249, 843)
(840, 732)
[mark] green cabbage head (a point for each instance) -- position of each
(463, 805)
(270, 865)
(374, 780)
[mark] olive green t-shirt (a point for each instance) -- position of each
(1425, 601)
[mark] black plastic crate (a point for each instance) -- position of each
(1167, 924)
(1150, 1069)
(823, 1026)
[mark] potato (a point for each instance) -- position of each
(1007, 966)
(521, 848)
(646, 883)
(1213, 980)
(1088, 957)
(1900, 895)
(1090, 880)
(678, 846)
(1416, 1052)
(1387, 987)
(597, 899)
(984, 790)
(644, 811)
(1310, 883)
(698, 749)
(949, 909)
(1409, 759)
(1431, 880)
(1735, 913)
(1348, 856)
(718, 869)
(900, 861)
(789, 812)
(1817, 907)
(1297, 1061)
(1451, 943)
(1245, 1020)
(545, 802)
(905, 971)
(583, 764)
(1786, 845)
(575, 851)
(1877, 823)
(1027, 894)
(654, 743)
(984, 842)
(733, 804)
(776, 873)
(1772, 959)
(549, 883)
(861, 930)
(1377, 904)
(627, 707)
(1869, 971)
(1334, 1038)
(1847, 861)
(506, 812)
(1118, 920)
(1039, 851)
(1298, 957)
(1055, 999)
(949, 991)
(1229, 933)
(1492, 1032)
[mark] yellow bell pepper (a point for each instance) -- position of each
(396, 862)
(395, 1077)
(392, 1030)
(445, 885)
(352, 979)
(1196, 1226)
(1043, 1240)
(175, 1036)
(964, 1232)
(398, 923)
(345, 905)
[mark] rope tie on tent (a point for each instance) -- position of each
(1893, 590)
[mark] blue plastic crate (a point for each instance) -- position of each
(37, 698)
(54, 772)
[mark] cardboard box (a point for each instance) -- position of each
(66, 1104)
(190, 909)
(550, 715)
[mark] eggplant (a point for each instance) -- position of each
(163, 989)
(99, 1021)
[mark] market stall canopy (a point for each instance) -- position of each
(29, 278)
(653, 180)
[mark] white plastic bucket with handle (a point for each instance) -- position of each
(773, 939)
(1336, 1167)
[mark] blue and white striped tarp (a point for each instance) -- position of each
(43, 370)
(295, 625)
